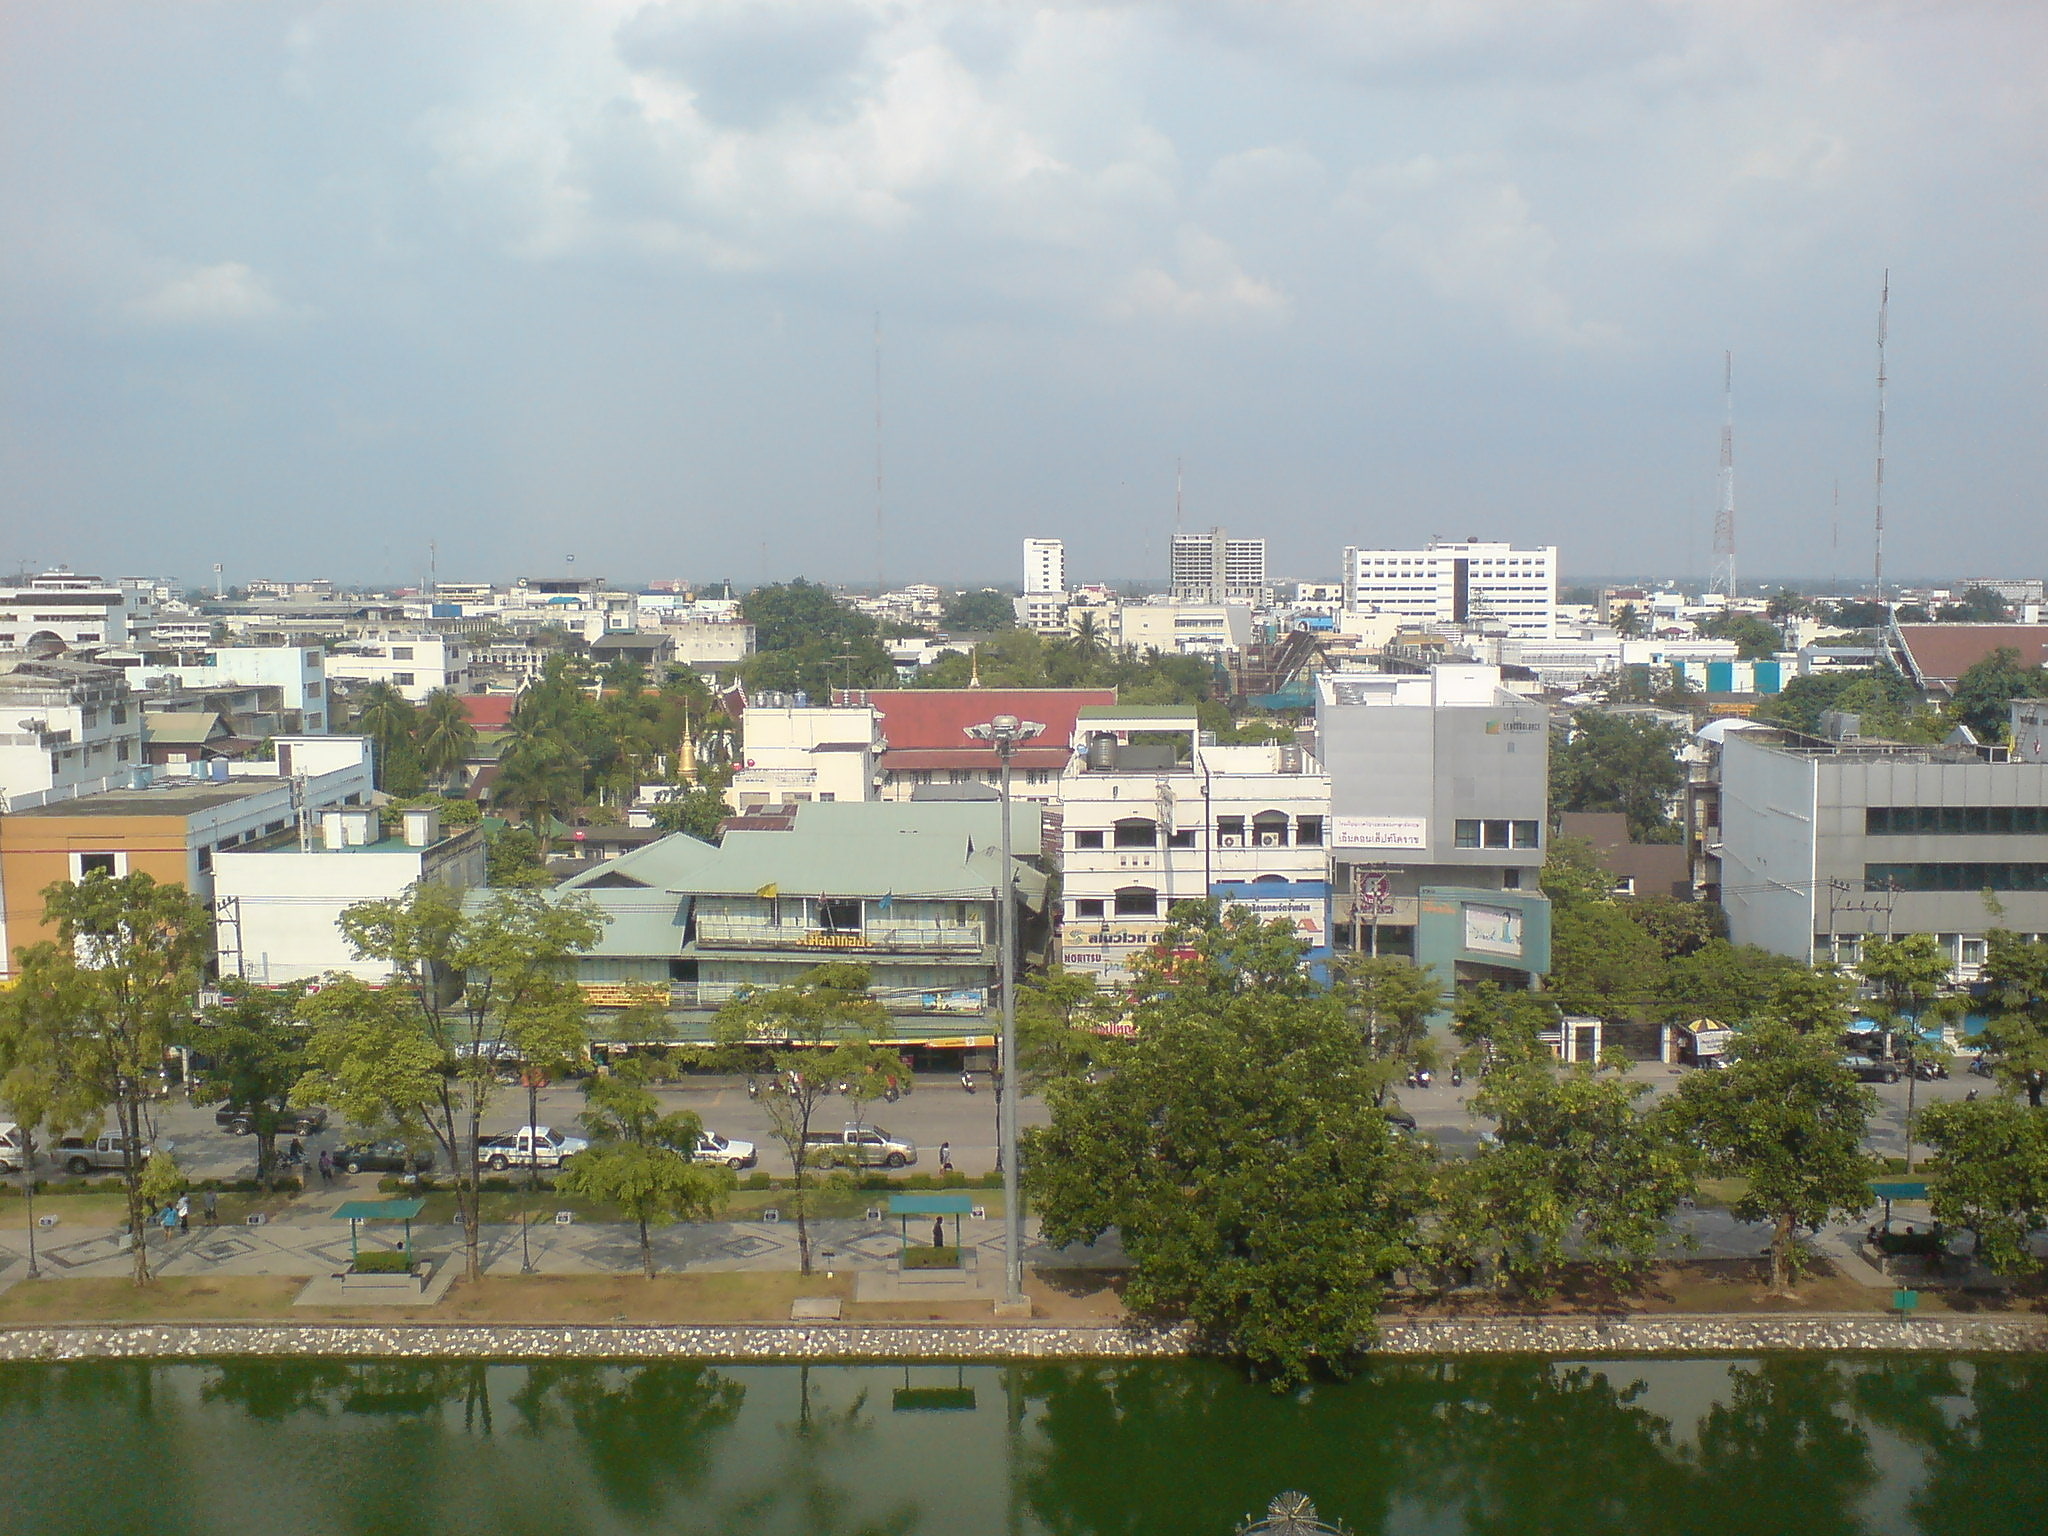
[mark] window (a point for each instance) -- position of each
(402, 679)
(1087, 839)
(98, 864)
(1137, 832)
(205, 859)
(1956, 877)
(1955, 820)
(1088, 907)
(1269, 829)
(1511, 879)
(1181, 837)
(401, 653)
(1973, 951)
(1467, 834)
(1493, 834)
(1137, 901)
(1308, 831)
(835, 916)
(121, 751)
(961, 776)
(1526, 834)
(1230, 831)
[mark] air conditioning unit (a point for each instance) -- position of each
(1269, 839)
(1230, 840)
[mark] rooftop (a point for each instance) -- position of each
(172, 800)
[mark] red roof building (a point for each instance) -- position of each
(489, 711)
(925, 730)
(1935, 655)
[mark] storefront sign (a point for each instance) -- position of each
(1493, 930)
(1379, 832)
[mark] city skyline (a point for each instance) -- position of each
(306, 288)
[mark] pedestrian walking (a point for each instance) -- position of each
(326, 1166)
(945, 1157)
(184, 1209)
(938, 1231)
(168, 1220)
(210, 1203)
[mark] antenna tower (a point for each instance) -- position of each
(1723, 579)
(1884, 308)
(881, 580)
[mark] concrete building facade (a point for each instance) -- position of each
(1490, 586)
(1212, 568)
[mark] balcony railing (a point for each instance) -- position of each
(892, 938)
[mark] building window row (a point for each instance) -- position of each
(1955, 820)
(1268, 829)
(1497, 834)
(1956, 877)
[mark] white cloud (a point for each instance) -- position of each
(1206, 283)
(229, 293)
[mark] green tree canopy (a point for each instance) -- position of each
(255, 1038)
(1982, 693)
(980, 612)
(1994, 1176)
(1754, 638)
(807, 640)
(1623, 763)
(2016, 1037)
(1235, 1148)
(640, 1159)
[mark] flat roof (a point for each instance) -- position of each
(177, 800)
(1136, 712)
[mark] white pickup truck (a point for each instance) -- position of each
(531, 1146)
(82, 1154)
(13, 1147)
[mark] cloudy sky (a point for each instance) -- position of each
(302, 287)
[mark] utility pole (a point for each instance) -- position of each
(1724, 518)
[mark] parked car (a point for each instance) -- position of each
(862, 1146)
(383, 1157)
(1869, 1070)
(531, 1146)
(238, 1121)
(82, 1154)
(13, 1147)
(723, 1151)
(1400, 1119)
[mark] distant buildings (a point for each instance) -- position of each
(59, 608)
(1212, 567)
(1486, 585)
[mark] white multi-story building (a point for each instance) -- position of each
(1484, 585)
(67, 728)
(298, 672)
(414, 663)
(1214, 568)
(1207, 629)
(1045, 567)
(792, 753)
(63, 607)
(1149, 824)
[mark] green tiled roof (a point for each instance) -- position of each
(1137, 712)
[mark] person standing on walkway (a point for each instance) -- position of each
(184, 1213)
(945, 1157)
(326, 1166)
(938, 1231)
(210, 1203)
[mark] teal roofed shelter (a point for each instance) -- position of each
(356, 1212)
(903, 1207)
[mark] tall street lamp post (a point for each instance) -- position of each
(1004, 733)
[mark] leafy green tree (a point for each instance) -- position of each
(1235, 1148)
(699, 810)
(1724, 981)
(256, 1039)
(1982, 693)
(446, 736)
(1909, 974)
(1979, 605)
(1061, 1018)
(816, 1034)
(980, 612)
(1499, 1023)
(469, 990)
(1602, 962)
(1576, 1169)
(1629, 622)
(1884, 698)
(512, 858)
(2015, 1039)
(100, 1004)
(1860, 615)
(1786, 605)
(543, 779)
(387, 717)
(807, 640)
(640, 1159)
(1754, 638)
(1994, 1176)
(1389, 1002)
(1813, 1002)
(1789, 1119)
(1618, 763)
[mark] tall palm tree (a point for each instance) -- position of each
(388, 720)
(1089, 640)
(542, 778)
(446, 736)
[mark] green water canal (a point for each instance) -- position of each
(1794, 1444)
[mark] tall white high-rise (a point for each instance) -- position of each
(1473, 582)
(1213, 568)
(1045, 566)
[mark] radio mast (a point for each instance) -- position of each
(1723, 578)
(1884, 306)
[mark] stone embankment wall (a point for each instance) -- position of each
(1676, 1335)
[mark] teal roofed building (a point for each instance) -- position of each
(906, 888)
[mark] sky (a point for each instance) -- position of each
(366, 289)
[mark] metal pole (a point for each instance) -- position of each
(532, 1170)
(1006, 1102)
(28, 1194)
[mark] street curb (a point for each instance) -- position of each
(1821, 1333)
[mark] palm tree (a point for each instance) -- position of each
(1628, 623)
(542, 777)
(1786, 605)
(446, 735)
(1089, 641)
(389, 720)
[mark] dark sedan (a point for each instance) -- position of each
(383, 1157)
(236, 1121)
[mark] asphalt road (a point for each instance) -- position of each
(936, 1111)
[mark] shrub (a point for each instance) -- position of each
(931, 1258)
(758, 1179)
(380, 1261)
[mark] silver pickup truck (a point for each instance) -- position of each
(862, 1146)
(83, 1154)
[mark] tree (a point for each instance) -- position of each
(1909, 974)
(1788, 1118)
(1812, 1002)
(640, 1159)
(1994, 1176)
(1754, 639)
(980, 612)
(1785, 605)
(1575, 1166)
(1618, 763)
(387, 718)
(512, 858)
(1235, 1147)
(1979, 605)
(1389, 1002)
(817, 1035)
(1629, 622)
(1060, 1019)
(2016, 1037)
(469, 991)
(543, 778)
(806, 640)
(700, 811)
(446, 736)
(105, 999)
(1088, 640)
(1501, 1023)
(1982, 693)
(255, 1039)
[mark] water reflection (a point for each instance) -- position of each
(1505, 1446)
